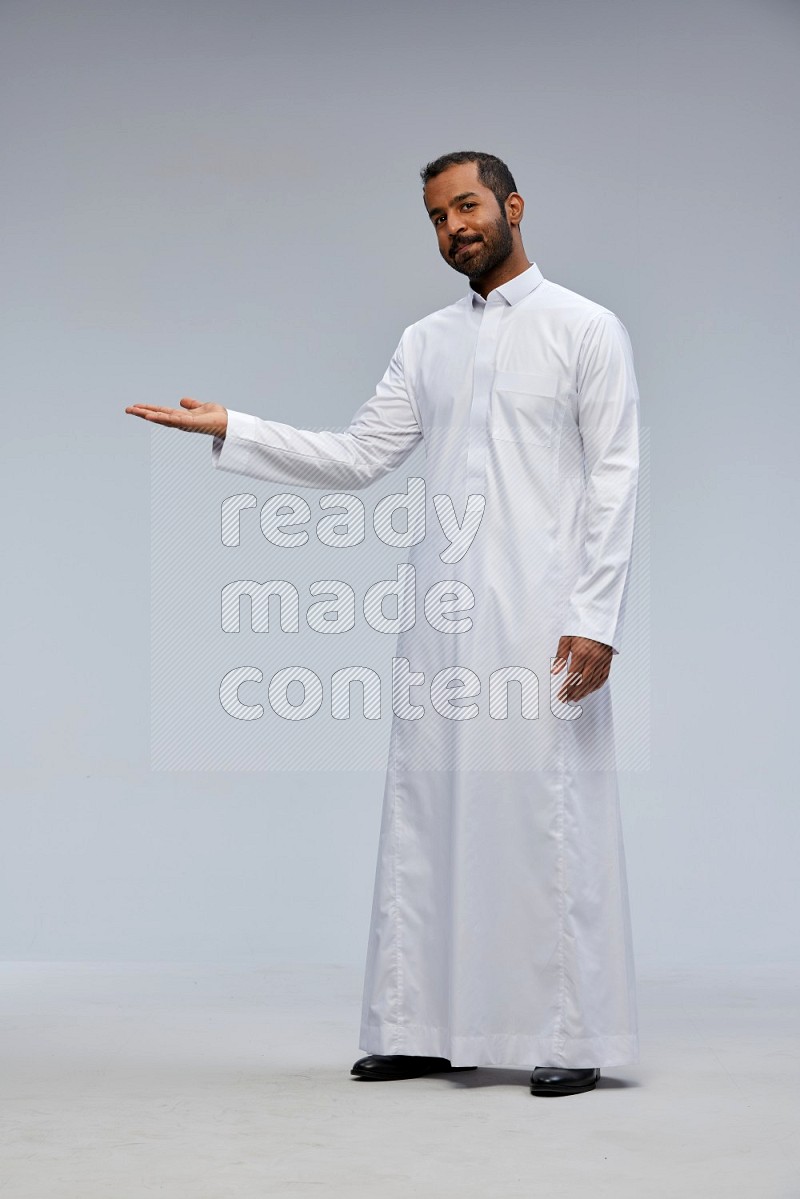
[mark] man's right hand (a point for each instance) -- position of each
(192, 416)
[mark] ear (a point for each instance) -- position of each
(515, 206)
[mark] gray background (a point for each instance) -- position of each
(223, 202)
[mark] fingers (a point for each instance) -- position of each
(586, 675)
(589, 666)
(562, 653)
(138, 408)
(593, 677)
(161, 416)
(577, 661)
(573, 682)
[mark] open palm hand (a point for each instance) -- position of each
(192, 416)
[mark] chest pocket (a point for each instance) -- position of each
(523, 407)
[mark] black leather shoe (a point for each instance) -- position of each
(555, 1080)
(398, 1065)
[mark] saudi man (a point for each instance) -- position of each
(500, 930)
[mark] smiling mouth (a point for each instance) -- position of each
(464, 246)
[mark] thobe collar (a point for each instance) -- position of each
(513, 291)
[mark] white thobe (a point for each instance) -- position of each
(500, 930)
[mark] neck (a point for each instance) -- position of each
(514, 265)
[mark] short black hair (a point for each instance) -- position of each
(492, 171)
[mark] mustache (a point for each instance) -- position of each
(457, 246)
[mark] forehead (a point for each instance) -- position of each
(443, 188)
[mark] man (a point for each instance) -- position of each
(500, 930)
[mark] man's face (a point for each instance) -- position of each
(465, 213)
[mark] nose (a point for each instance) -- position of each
(455, 224)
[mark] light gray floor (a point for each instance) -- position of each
(233, 1081)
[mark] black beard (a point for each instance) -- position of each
(496, 247)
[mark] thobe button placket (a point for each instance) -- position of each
(483, 376)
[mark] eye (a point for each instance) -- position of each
(469, 204)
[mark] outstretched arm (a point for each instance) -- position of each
(382, 433)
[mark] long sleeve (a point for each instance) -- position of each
(608, 419)
(382, 433)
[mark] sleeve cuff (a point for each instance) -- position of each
(232, 452)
